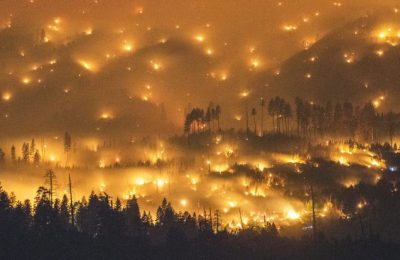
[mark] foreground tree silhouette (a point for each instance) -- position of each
(165, 214)
(132, 217)
(175, 235)
(45, 217)
(64, 213)
(50, 178)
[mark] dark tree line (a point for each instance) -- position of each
(281, 113)
(345, 120)
(197, 120)
(30, 153)
(101, 228)
(104, 228)
(341, 120)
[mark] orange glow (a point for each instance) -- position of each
(6, 96)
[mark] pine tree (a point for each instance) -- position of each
(44, 215)
(32, 149)
(118, 205)
(25, 152)
(50, 179)
(2, 156)
(64, 212)
(132, 216)
(147, 221)
(217, 216)
(165, 214)
(13, 154)
(36, 158)
(67, 147)
(262, 105)
(72, 207)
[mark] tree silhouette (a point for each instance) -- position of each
(300, 114)
(272, 112)
(165, 214)
(132, 217)
(45, 217)
(253, 114)
(36, 158)
(64, 213)
(13, 154)
(218, 115)
(262, 105)
(2, 156)
(32, 149)
(25, 152)
(208, 118)
(50, 178)
(368, 121)
(67, 146)
(287, 114)
(391, 125)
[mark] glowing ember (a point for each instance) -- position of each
(289, 27)
(6, 96)
(155, 65)
(106, 115)
(87, 65)
(26, 80)
(128, 47)
(244, 93)
(199, 37)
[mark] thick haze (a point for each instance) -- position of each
(135, 67)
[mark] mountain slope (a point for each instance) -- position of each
(358, 62)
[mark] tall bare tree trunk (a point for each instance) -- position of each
(71, 201)
(314, 221)
(262, 121)
(247, 120)
(273, 123)
(255, 125)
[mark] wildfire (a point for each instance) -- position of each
(292, 215)
(244, 93)
(6, 96)
(127, 47)
(88, 31)
(87, 65)
(183, 202)
(289, 27)
(378, 101)
(255, 63)
(349, 57)
(155, 65)
(106, 115)
(26, 80)
(388, 34)
(380, 52)
(199, 38)
(140, 181)
(343, 161)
